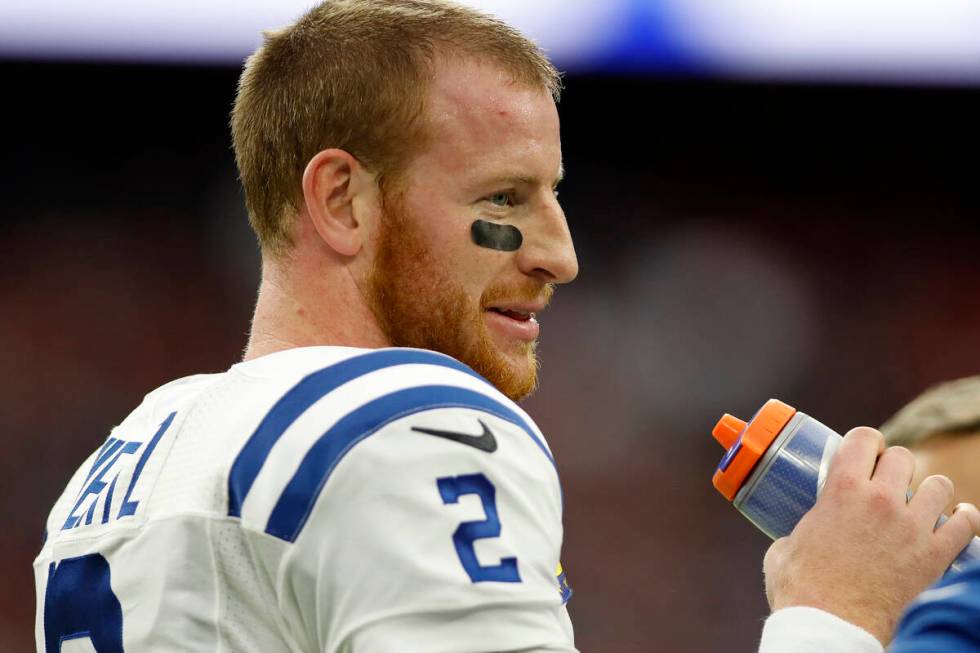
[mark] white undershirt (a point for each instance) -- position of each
(809, 630)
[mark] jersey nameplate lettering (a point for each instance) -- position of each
(97, 488)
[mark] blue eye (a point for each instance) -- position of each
(500, 199)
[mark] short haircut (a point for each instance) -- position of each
(949, 408)
(354, 75)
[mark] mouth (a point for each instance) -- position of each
(521, 310)
(512, 313)
(515, 320)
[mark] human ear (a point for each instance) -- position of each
(332, 181)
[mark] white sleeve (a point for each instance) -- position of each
(419, 542)
(809, 630)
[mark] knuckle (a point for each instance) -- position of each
(843, 483)
(882, 499)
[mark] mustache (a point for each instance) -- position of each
(524, 292)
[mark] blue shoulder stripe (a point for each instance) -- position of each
(301, 493)
(304, 394)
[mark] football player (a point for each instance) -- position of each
(363, 480)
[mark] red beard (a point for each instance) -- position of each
(417, 303)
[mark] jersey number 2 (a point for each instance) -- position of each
(451, 488)
(79, 605)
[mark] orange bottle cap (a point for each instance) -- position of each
(727, 430)
(747, 443)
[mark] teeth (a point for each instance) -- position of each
(513, 311)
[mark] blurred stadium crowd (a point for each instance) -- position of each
(737, 241)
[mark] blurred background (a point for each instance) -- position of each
(766, 202)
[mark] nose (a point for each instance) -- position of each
(548, 252)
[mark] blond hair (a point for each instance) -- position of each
(949, 408)
(354, 75)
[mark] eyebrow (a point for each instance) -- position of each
(528, 180)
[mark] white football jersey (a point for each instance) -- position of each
(317, 499)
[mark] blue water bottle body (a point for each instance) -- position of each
(787, 480)
(789, 475)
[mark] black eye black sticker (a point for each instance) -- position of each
(503, 237)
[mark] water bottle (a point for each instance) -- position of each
(776, 465)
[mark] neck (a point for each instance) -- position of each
(307, 301)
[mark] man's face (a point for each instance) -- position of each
(952, 455)
(494, 154)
